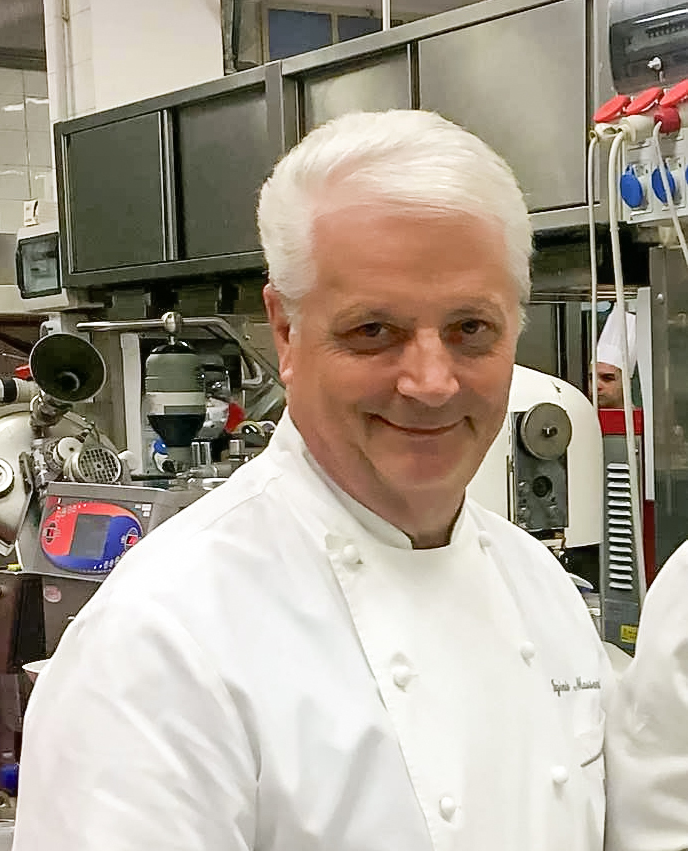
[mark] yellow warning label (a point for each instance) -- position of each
(628, 633)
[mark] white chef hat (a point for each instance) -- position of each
(610, 340)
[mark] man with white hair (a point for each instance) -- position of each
(337, 650)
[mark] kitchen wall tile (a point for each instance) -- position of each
(35, 83)
(11, 115)
(13, 148)
(14, 183)
(11, 82)
(40, 153)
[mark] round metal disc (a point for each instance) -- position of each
(546, 431)
(6, 477)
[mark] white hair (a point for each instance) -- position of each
(411, 158)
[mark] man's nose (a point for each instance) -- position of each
(427, 370)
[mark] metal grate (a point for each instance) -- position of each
(620, 527)
(99, 465)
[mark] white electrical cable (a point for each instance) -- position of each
(612, 174)
(667, 191)
(386, 14)
(593, 266)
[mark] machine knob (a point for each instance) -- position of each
(631, 189)
(172, 323)
(545, 431)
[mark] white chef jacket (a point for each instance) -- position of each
(277, 669)
(648, 724)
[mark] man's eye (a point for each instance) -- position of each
(472, 335)
(472, 326)
(370, 330)
(468, 328)
(371, 337)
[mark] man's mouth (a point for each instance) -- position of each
(420, 431)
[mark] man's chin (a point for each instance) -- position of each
(422, 475)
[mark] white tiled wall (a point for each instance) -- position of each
(141, 49)
(25, 144)
(69, 51)
(110, 53)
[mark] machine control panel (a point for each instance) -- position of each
(85, 529)
(87, 536)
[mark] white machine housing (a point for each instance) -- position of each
(492, 485)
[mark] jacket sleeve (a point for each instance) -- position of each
(133, 741)
(647, 725)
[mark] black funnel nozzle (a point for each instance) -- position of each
(67, 368)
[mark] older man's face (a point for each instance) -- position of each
(398, 372)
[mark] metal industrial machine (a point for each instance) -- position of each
(69, 505)
(544, 470)
(69, 508)
(44, 440)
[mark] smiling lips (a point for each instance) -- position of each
(425, 431)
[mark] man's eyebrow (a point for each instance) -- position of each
(361, 313)
(477, 305)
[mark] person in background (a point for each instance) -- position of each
(337, 650)
(609, 358)
(647, 750)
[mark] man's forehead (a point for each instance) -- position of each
(357, 205)
(607, 372)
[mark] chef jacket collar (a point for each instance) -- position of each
(289, 438)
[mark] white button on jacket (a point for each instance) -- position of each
(447, 807)
(350, 555)
(236, 686)
(527, 650)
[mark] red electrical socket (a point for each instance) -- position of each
(611, 110)
(644, 101)
(676, 94)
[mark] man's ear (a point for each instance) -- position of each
(281, 327)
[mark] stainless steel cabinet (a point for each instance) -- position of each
(378, 84)
(223, 160)
(519, 82)
(114, 194)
